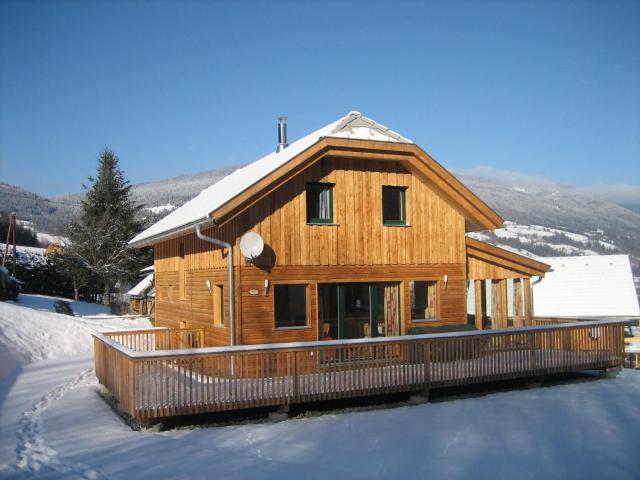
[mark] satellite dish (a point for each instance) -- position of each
(251, 245)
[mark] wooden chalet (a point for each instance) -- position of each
(366, 256)
(363, 231)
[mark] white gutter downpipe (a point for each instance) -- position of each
(232, 308)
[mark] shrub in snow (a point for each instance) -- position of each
(9, 285)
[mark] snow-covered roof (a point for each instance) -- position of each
(142, 287)
(354, 126)
(586, 286)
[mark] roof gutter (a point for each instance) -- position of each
(167, 234)
(231, 287)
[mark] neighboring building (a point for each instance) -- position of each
(587, 286)
(142, 295)
(364, 233)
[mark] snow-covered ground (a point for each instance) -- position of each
(54, 425)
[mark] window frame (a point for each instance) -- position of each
(317, 186)
(218, 293)
(307, 312)
(403, 206)
(436, 299)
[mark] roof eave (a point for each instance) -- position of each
(169, 234)
(539, 268)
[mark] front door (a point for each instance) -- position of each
(358, 310)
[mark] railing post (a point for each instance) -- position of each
(296, 392)
(427, 366)
(133, 386)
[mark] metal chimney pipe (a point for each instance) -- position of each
(282, 134)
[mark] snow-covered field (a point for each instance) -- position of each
(54, 425)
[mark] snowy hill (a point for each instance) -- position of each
(47, 215)
(546, 241)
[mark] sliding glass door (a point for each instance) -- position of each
(358, 310)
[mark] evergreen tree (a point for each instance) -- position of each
(98, 238)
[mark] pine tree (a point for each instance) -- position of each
(98, 239)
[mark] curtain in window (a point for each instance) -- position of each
(324, 206)
(391, 309)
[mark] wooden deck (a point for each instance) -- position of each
(150, 381)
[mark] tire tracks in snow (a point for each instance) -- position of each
(33, 456)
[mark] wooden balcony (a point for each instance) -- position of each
(151, 379)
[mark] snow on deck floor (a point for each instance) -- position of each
(54, 425)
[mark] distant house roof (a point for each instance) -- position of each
(150, 268)
(353, 126)
(586, 286)
(143, 287)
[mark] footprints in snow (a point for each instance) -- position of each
(33, 456)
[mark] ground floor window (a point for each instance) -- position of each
(290, 305)
(358, 310)
(423, 300)
(218, 305)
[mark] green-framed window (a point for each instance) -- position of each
(394, 207)
(319, 203)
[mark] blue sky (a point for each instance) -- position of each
(544, 88)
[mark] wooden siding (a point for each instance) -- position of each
(255, 315)
(196, 310)
(487, 262)
(478, 269)
(479, 216)
(434, 232)
(356, 248)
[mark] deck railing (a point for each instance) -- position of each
(150, 382)
(160, 338)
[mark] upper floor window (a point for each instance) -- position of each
(394, 210)
(319, 203)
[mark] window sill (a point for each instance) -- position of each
(320, 224)
(425, 320)
(304, 327)
(221, 327)
(395, 225)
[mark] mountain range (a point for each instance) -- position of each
(563, 219)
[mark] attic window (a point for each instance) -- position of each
(319, 203)
(394, 209)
